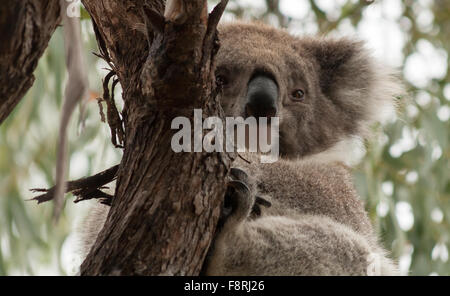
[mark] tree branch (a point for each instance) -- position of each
(26, 27)
(82, 187)
(77, 89)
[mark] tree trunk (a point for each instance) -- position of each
(25, 28)
(166, 205)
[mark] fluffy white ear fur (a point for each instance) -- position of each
(349, 151)
(381, 106)
(386, 86)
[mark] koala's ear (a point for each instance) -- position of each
(338, 61)
(352, 78)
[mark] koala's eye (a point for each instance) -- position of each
(298, 95)
(221, 80)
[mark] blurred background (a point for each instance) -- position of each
(403, 178)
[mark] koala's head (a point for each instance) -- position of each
(325, 91)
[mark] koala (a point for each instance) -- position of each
(327, 93)
(300, 215)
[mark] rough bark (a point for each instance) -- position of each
(25, 28)
(166, 204)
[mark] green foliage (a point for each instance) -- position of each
(29, 242)
(404, 177)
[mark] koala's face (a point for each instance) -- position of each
(322, 90)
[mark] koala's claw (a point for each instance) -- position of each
(239, 186)
(259, 201)
(238, 174)
(256, 210)
(263, 202)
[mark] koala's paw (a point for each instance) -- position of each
(237, 192)
(240, 197)
(240, 175)
(259, 201)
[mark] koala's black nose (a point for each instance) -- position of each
(262, 96)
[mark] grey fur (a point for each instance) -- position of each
(346, 90)
(89, 229)
(317, 224)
